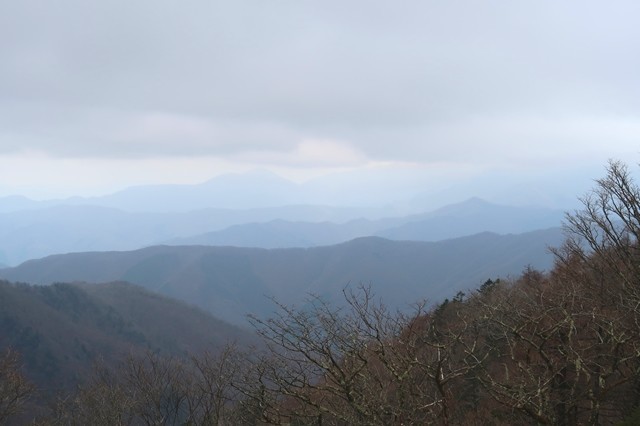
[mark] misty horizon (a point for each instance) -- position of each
(383, 97)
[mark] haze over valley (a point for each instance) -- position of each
(289, 212)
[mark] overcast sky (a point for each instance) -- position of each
(98, 95)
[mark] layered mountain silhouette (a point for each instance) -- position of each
(231, 282)
(35, 233)
(461, 219)
(470, 217)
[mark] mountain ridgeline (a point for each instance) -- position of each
(231, 282)
(35, 232)
(458, 220)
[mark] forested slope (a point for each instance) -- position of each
(63, 329)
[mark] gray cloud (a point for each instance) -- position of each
(413, 80)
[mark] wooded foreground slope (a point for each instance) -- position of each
(62, 330)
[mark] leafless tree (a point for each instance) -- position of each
(15, 389)
(566, 344)
(155, 390)
(359, 364)
(604, 236)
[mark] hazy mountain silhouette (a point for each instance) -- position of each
(230, 282)
(17, 202)
(36, 233)
(466, 218)
(470, 217)
(257, 189)
(285, 234)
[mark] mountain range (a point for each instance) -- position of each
(35, 233)
(457, 220)
(380, 193)
(231, 282)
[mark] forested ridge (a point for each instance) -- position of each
(230, 282)
(559, 347)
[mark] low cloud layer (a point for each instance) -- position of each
(320, 84)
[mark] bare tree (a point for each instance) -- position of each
(359, 364)
(15, 389)
(604, 236)
(563, 348)
(213, 397)
(155, 390)
(602, 252)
